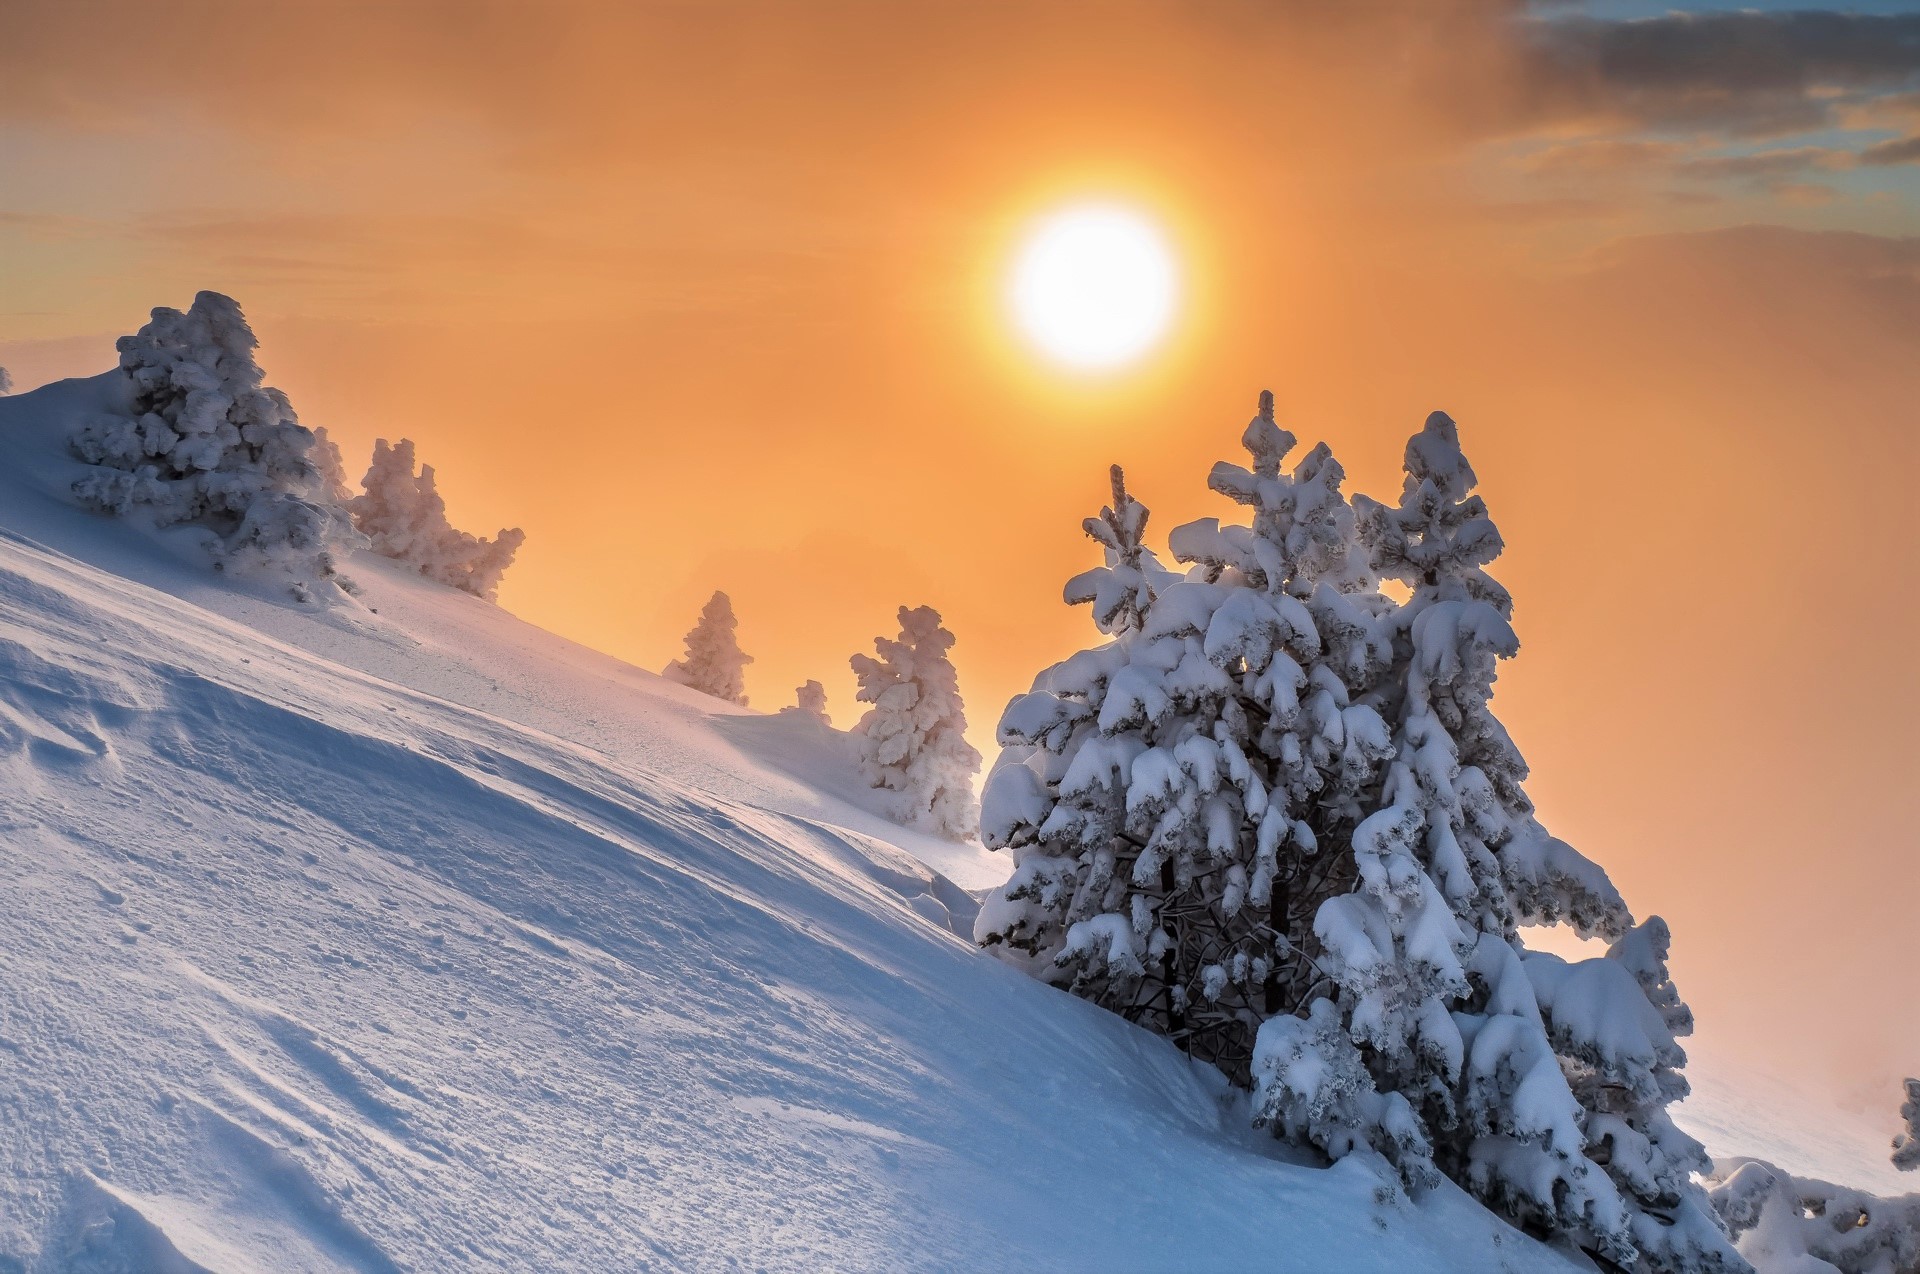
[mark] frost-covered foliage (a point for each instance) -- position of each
(714, 664)
(402, 513)
(6, 381)
(912, 742)
(810, 700)
(332, 466)
(1785, 1224)
(1906, 1145)
(1274, 817)
(206, 442)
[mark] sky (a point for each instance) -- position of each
(711, 296)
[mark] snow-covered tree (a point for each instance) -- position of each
(1906, 1145)
(6, 381)
(402, 514)
(332, 466)
(714, 663)
(1803, 1226)
(1165, 794)
(1275, 818)
(810, 700)
(205, 441)
(912, 742)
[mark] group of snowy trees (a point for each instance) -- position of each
(203, 440)
(1273, 817)
(910, 744)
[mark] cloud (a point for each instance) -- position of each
(1751, 73)
(1904, 151)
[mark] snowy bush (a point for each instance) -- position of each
(1273, 817)
(1906, 1145)
(205, 442)
(810, 700)
(912, 742)
(714, 662)
(1785, 1224)
(402, 514)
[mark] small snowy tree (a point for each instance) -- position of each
(1799, 1225)
(714, 662)
(6, 381)
(332, 466)
(912, 742)
(402, 514)
(1906, 1145)
(810, 700)
(206, 442)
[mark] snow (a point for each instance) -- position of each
(396, 934)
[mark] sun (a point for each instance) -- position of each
(1094, 286)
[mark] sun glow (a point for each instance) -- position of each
(1094, 286)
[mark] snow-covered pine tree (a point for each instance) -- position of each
(810, 700)
(332, 466)
(402, 513)
(1906, 1145)
(1362, 764)
(912, 741)
(1799, 1224)
(1160, 793)
(714, 663)
(205, 441)
(6, 381)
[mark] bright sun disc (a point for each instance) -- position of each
(1094, 286)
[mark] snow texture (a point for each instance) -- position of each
(198, 438)
(714, 663)
(1274, 818)
(401, 513)
(912, 740)
(406, 937)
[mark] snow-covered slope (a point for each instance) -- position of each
(411, 937)
(404, 936)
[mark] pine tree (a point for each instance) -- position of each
(1165, 794)
(1797, 1223)
(1275, 818)
(1906, 1145)
(403, 515)
(6, 381)
(714, 663)
(912, 741)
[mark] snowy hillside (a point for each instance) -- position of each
(411, 937)
(395, 934)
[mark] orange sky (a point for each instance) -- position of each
(707, 296)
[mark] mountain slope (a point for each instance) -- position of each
(407, 937)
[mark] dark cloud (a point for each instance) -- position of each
(1904, 151)
(1747, 72)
